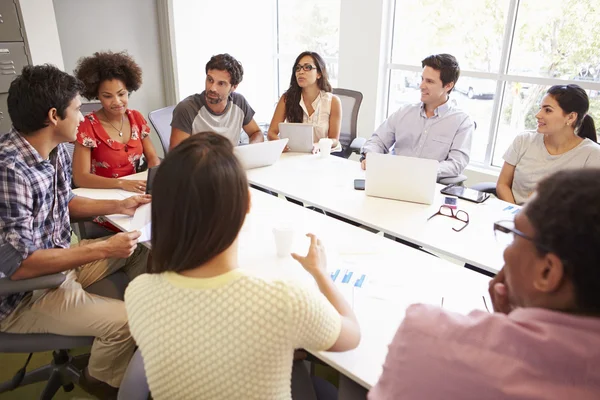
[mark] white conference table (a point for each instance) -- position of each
(396, 275)
(328, 183)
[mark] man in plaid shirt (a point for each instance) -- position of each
(36, 204)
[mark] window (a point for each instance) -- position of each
(509, 51)
(266, 46)
(202, 31)
(312, 25)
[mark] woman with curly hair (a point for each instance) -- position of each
(309, 100)
(111, 141)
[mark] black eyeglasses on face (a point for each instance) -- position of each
(305, 67)
(504, 231)
(456, 214)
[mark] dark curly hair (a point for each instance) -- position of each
(293, 111)
(566, 218)
(37, 90)
(225, 62)
(102, 66)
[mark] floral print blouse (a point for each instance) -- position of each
(110, 158)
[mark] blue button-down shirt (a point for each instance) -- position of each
(34, 205)
(445, 137)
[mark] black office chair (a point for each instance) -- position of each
(351, 100)
(161, 122)
(64, 370)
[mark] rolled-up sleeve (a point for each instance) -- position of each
(458, 156)
(16, 221)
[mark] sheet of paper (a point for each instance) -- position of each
(142, 221)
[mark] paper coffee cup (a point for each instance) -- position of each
(325, 146)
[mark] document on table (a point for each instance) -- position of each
(142, 221)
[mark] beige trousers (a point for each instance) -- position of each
(70, 310)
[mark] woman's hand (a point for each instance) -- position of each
(132, 186)
(315, 261)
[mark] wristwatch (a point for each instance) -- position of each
(362, 157)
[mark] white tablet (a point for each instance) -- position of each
(300, 136)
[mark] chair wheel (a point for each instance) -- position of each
(68, 387)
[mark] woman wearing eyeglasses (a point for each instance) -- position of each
(565, 139)
(111, 141)
(543, 339)
(309, 100)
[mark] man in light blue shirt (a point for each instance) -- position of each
(434, 128)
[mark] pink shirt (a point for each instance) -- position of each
(530, 354)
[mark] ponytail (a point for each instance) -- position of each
(587, 129)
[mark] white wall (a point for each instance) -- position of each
(363, 57)
(86, 26)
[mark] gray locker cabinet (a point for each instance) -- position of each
(5, 124)
(10, 27)
(12, 60)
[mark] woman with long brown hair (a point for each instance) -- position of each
(309, 100)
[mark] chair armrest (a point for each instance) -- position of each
(8, 286)
(357, 144)
(486, 187)
(453, 180)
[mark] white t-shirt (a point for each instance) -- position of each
(533, 162)
(228, 337)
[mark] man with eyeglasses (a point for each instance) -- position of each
(218, 108)
(434, 129)
(543, 339)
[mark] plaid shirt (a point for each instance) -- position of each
(34, 205)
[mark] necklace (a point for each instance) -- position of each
(114, 127)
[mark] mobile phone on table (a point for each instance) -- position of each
(359, 184)
(464, 193)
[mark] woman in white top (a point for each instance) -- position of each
(309, 100)
(206, 325)
(565, 139)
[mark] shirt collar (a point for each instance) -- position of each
(30, 154)
(526, 315)
(314, 104)
(441, 110)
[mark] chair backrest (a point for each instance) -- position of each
(351, 100)
(134, 385)
(87, 108)
(161, 122)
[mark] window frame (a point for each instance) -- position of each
(502, 78)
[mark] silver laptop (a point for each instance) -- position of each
(300, 136)
(260, 154)
(401, 178)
